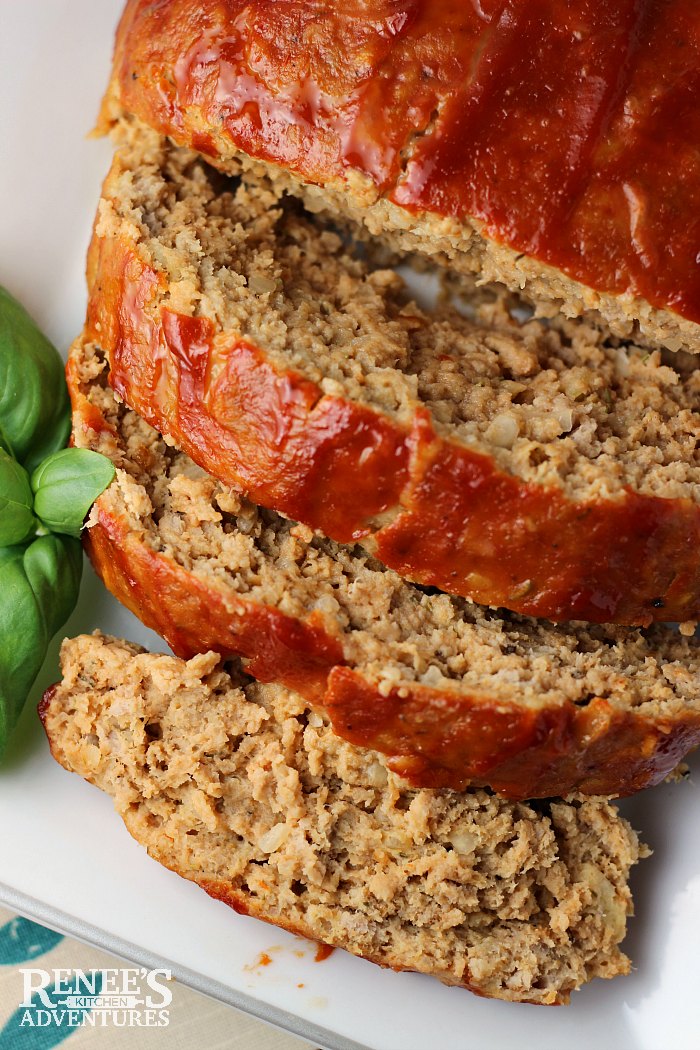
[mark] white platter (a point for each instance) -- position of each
(66, 859)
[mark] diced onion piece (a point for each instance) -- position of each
(274, 838)
(258, 284)
(502, 430)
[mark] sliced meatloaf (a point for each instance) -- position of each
(528, 466)
(451, 692)
(553, 146)
(243, 789)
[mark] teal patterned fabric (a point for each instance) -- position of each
(21, 942)
(15, 1037)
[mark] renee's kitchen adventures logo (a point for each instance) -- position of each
(125, 997)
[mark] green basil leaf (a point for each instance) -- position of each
(39, 584)
(16, 519)
(34, 405)
(66, 485)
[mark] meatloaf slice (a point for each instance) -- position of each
(243, 789)
(553, 146)
(451, 692)
(528, 466)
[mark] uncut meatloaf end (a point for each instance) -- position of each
(456, 129)
(529, 466)
(241, 788)
(452, 693)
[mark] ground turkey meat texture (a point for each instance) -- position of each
(240, 787)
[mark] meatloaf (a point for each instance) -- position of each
(535, 467)
(452, 693)
(243, 789)
(553, 146)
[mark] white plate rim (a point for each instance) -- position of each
(71, 926)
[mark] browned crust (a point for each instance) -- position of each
(431, 109)
(457, 521)
(44, 705)
(510, 745)
(433, 736)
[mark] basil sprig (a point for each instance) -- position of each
(66, 485)
(46, 491)
(34, 404)
(17, 521)
(40, 583)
